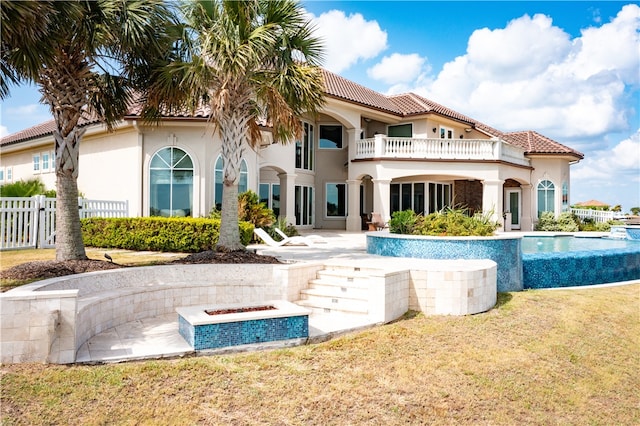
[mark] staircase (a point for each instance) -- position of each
(338, 289)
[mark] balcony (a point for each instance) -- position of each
(382, 147)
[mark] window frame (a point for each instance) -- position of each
(304, 154)
(546, 189)
(345, 200)
(171, 168)
(397, 126)
(242, 180)
(37, 168)
(330, 148)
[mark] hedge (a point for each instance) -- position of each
(187, 235)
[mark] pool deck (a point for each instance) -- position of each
(158, 337)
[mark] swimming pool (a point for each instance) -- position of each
(565, 261)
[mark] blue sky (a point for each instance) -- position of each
(569, 70)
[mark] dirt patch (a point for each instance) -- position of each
(39, 270)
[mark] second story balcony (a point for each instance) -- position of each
(382, 147)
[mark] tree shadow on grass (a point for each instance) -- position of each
(503, 299)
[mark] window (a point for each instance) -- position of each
(400, 131)
(304, 149)
(565, 197)
(336, 200)
(411, 196)
(9, 174)
(1, 174)
(330, 137)
(446, 133)
(439, 196)
(45, 162)
(218, 180)
(546, 194)
(270, 196)
(171, 183)
(36, 162)
(304, 205)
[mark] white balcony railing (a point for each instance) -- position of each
(382, 147)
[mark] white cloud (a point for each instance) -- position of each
(348, 39)
(398, 68)
(23, 110)
(3, 131)
(532, 75)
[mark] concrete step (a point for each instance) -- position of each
(327, 305)
(344, 278)
(330, 289)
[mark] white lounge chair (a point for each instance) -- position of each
(313, 238)
(292, 241)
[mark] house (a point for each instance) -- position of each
(365, 152)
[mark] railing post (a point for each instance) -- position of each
(379, 146)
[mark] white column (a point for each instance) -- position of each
(526, 218)
(381, 192)
(493, 199)
(354, 221)
(287, 196)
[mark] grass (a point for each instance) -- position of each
(565, 357)
(12, 258)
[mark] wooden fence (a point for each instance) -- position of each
(30, 222)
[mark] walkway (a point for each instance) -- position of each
(159, 338)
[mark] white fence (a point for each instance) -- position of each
(598, 216)
(30, 222)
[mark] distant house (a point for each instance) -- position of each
(365, 152)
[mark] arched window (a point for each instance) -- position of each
(546, 194)
(218, 178)
(171, 183)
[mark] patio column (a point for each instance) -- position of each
(527, 205)
(493, 199)
(287, 196)
(354, 221)
(381, 193)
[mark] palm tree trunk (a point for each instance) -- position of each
(233, 136)
(69, 244)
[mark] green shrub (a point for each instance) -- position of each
(566, 222)
(23, 188)
(448, 222)
(187, 235)
(250, 209)
(403, 222)
(281, 223)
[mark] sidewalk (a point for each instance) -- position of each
(158, 337)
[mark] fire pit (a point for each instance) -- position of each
(211, 327)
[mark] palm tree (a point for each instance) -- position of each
(87, 58)
(247, 61)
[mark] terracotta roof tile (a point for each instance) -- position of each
(535, 143)
(341, 88)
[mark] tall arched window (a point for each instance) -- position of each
(217, 181)
(171, 183)
(546, 197)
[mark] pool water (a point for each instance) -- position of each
(569, 243)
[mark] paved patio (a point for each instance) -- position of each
(158, 337)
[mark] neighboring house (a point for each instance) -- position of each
(365, 152)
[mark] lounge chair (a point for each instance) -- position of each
(292, 241)
(376, 223)
(313, 238)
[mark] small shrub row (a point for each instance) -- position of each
(569, 222)
(188, 235)
(448, 222)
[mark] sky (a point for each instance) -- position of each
(568, 70)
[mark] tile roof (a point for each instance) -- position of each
(535, 143)
(403, 105)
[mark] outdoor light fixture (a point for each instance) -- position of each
(468, 129)
(434, 130)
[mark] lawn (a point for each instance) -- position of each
(565, 357)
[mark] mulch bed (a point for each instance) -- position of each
(52, 268)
